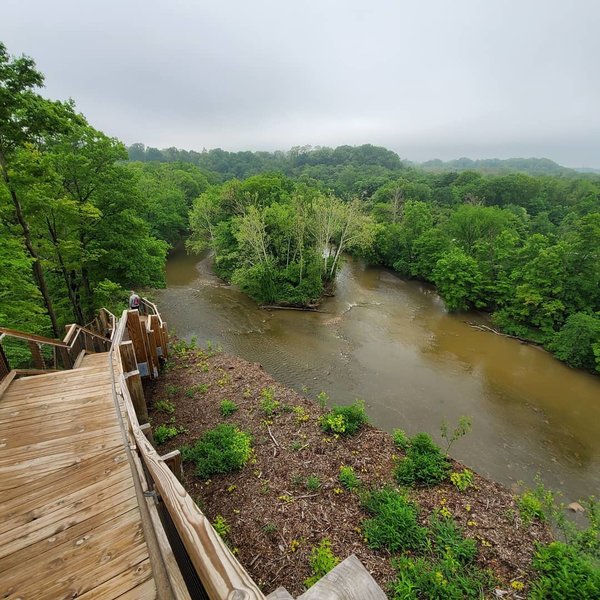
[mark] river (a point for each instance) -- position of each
(390, 342)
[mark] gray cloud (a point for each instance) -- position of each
(494, 78)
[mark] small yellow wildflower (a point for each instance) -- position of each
(517, 585)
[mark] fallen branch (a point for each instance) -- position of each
(495, 331)
(274, 440)
(305, 309)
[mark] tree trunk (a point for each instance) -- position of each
(38, 272)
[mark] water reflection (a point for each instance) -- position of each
(390, 342)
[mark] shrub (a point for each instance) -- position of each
(164, 406)
(394, 524)
(462, 480)
(537, 504)
(424, 463)
(268, 403)
(439, 579)
(227, 407)
(344, 420)
(564, 573)
(313, 483)
(401, 440)
(348, 478)
(449, 540)
(163, 433)
(221, 526)
(220, 450)
(322, 560)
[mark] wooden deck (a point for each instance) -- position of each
(70, 525)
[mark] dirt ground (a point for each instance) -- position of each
(275, 519)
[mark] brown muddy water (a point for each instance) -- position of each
(390, 342)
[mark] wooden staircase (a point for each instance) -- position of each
(70, 524)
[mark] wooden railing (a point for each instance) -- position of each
(219, 571)
(37, 353)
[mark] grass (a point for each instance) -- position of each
(348, 478)
(424, 463)
(201, 388)
(313, 483)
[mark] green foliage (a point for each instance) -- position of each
(348, 478)
(227, 407)
(424, 463)
(578, 341)
(322, 399)
(401, 440)
(221, 526)
(164, 432)
(564, 573)
(444, 578)
(449, 540)
(268, 403)
(537, 504)
(200, 388)
(394, 524)
(462, 480)
(322, 560)
(463, 428)
(220, 450)
(313, 483)
(164, 406)
(344, 420)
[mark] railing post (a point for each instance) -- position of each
(173, 461)
(136, 334)
(133, 380)
(38, 359)
(147, 430)
(4, 366)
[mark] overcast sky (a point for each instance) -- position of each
(426, 78)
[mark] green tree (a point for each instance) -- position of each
(457, 278)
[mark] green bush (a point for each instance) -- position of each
(401, 440)
(344, 420)
(227, 407)
(163, 433)
(449, 540)
(348, 478)
(321, 561)
(462, 480)
(424, 463)
(220, 450)
(438, 579)
(394, 524)
(564, 573)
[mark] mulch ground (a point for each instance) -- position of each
(276, 520)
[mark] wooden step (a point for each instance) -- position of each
(348, 581)
(280, 594)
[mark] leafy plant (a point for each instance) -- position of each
(172, 390)
(394, 524)
(537, 504)
(462, 480)
(322, 399)
(200, 388)
(164, 406)
(313, 483)
(564, 573)
(268, 403)
(227, 407)
(424, 463)
(220, 450)
(348, 478)
(164, 432)
(401, 440)
(322, 560)
(344, 420)
(448, 539)
(221, 526)
(301, 415)
(270, 528)
(463, 428)
(420, 578)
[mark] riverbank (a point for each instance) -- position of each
(290, 498)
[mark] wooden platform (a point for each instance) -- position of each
(70, 526)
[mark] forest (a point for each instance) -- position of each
(83, 219)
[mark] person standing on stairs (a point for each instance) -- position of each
(134, 301)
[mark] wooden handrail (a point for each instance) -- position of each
(220, 572)
(32, 338)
